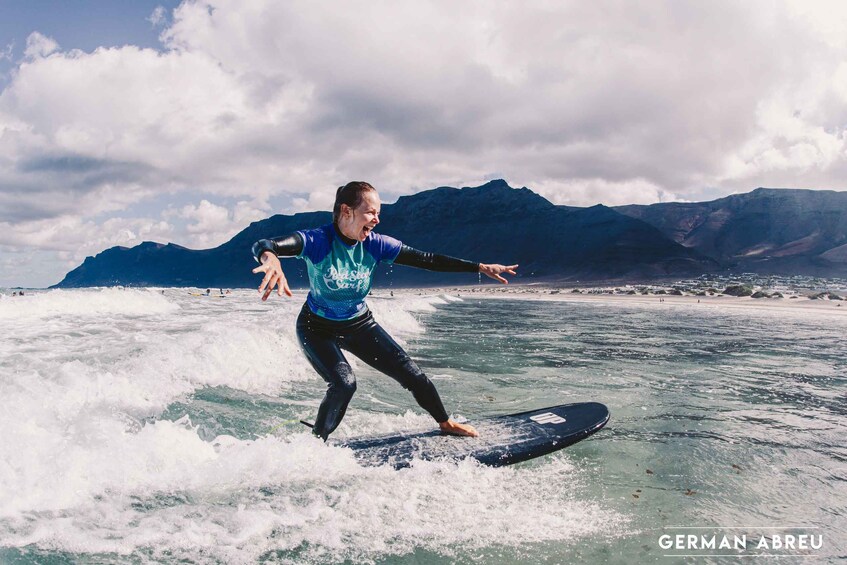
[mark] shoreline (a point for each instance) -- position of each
(607, 295)
(793, 300)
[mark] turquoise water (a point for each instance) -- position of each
(144, 427)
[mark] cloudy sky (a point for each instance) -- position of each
(123, 121)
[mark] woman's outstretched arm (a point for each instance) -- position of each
(290, 245)
(267, 252)
(434, 262)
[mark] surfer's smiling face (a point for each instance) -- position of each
(357, 223)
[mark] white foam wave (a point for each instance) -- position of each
(81, 472)
(165, 492)
(86, 303)
(398, 315)
(98, 377)
(71, 395)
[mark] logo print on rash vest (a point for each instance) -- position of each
(346, 279)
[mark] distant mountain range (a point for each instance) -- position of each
(767, 231)
(777, 231)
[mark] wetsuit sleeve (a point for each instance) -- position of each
(289, 246)
(433, 262)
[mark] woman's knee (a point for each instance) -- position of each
(343, 381)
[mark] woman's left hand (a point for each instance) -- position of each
(495, 270)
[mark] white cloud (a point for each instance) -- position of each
(158, 17)
(209, 225)
(80, 238)
(827, 18)
(66, 241)
(39, 252)
(609, 102)
(601, 191)
(6, 54)
(38, 45)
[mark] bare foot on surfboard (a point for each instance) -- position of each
(454, 428)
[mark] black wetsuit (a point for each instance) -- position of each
(322, 337)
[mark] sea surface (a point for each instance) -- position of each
(150, 426)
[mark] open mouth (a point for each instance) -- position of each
(366, 230)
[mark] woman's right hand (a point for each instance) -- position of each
(273, 276)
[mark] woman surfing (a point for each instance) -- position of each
(341, 258)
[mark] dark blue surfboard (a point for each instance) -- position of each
(503, 440)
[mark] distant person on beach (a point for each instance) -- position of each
(340, 259)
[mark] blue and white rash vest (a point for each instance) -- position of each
(339, 274)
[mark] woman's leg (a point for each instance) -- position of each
(374, 346)
(323, 353)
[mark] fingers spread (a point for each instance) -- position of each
(270, 288)
(265, 282)
(269, 281)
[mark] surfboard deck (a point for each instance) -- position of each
(504, 440)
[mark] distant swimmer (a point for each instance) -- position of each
(341, 258)
(208, 292)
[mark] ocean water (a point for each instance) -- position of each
(148, 427)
